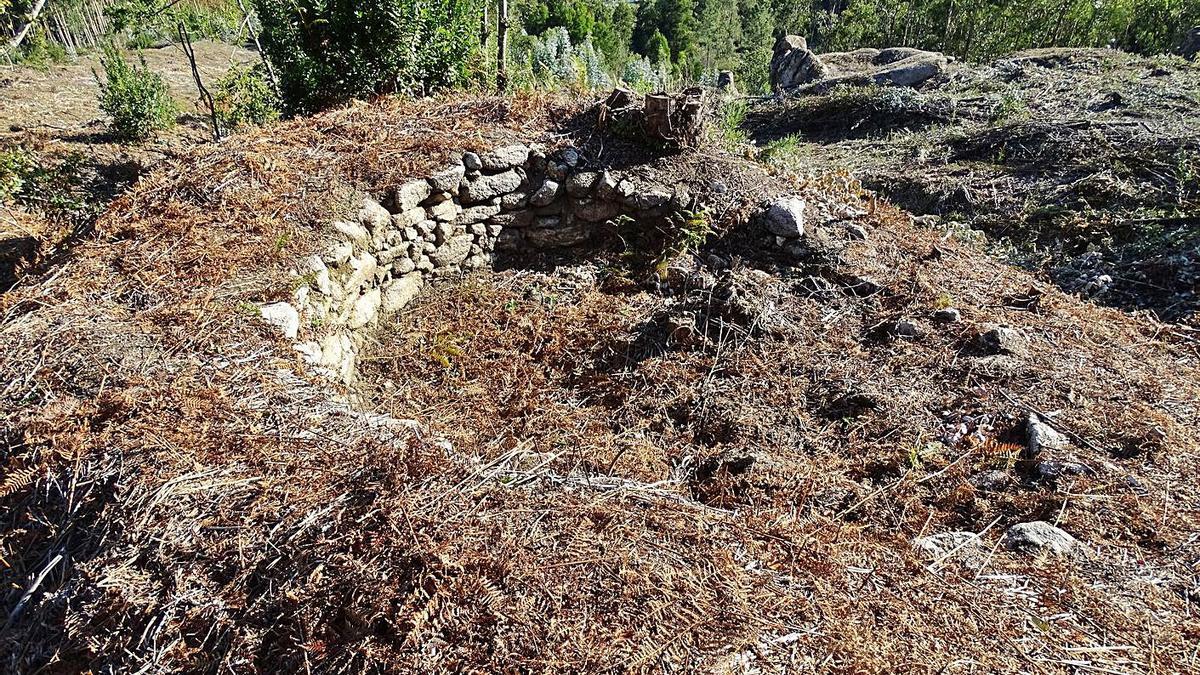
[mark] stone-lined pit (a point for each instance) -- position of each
(512, 199)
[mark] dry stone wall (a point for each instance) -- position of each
(512, 199)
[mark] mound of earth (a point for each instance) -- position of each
(874, 448)
(1083, 163)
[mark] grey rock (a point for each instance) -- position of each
(606, 187)
(404, 265)
(949, 544)
(1041, 437)
(411, 234)
(558, 236)
(453, 252)
(438, 198)
(514, 201)
(1189, 48)
(785, 217)
(594, 211)
(478, 229)
(398, 293)
(991, 481)
(472, 162)
(373, 216)
(518, 219)
(366, 309)
(442, 232)
(793, 64)
(947, 315)
(410, 195)
(570, 157)
(582, 183)
(338, 254)
(1002, 340)
(546, 194)
(856, 232)
(283, 317)
(652, 199)
(362, 268)
(1053, 469)
(354, 233)
(557, 171)
(509, 240)
(449, 179)
(477, 214)
(484, 188)
(408, 218)
(444, 212)
(313, 269)
(1039, 537)
(504, 158)
(906, 329)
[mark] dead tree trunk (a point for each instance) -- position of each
(502, 47)
(185, 41)
(29, 23)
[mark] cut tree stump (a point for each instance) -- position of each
(673, 120)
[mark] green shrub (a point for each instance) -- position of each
(40, 52)
(136, 98)
(243, 98)
(148, 23)
(326, 52)
(49, 186)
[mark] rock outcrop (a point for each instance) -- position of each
(1190, 47)
(794, 66)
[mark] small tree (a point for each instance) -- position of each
(137, 99)
(657, 49)
(329, 51)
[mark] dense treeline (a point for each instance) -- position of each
(706, 35)
(330, 50)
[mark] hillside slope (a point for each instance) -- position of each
(1080, 163)
(742, 460)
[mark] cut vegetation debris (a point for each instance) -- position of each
(863, 445)
(1081, 163)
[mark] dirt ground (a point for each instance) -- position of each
(55, 115)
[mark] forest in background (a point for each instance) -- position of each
(327, 51)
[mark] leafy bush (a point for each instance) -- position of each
(148, 23)
(643, 76)
(242, 98)
(49, 187)
(40, 52)
(136, 98)
(328, 51)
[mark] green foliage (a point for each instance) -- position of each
(729, 123)
(148, 23)
(136, 99)
(658, 50)
(781, 151)
(328, 51)
(243, 98)
(49, 188)
(981, 29)
(37, 51)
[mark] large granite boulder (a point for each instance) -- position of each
(794, 65)
(1190, 47)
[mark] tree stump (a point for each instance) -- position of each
(671, 120)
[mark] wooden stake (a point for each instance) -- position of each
(502, 47)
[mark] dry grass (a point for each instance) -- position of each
(178, 497)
